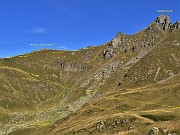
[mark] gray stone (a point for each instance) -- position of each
(154, 131)
(177, 25)
(109, 53)
(163, 19)
(159, 131)
(163, 22)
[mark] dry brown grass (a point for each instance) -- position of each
(170, 125)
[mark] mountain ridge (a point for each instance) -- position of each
(78, 85)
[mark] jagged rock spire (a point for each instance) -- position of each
(163, 19)
(163, 22)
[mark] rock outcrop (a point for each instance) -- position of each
(73, 67)
(163, 22)
(159, 131)
(177, 25)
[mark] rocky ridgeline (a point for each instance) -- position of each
(163, 22)
(123, 43)
(137, 46)
(119, 44)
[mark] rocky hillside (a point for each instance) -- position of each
(125, 86)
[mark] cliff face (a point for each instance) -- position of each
(41, 87)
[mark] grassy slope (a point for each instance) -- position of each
(153, 103)
(38, 80)
(22, 95)
(161, 63)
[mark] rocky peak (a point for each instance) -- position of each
(163, 19)
(163, 22)
(120, 34)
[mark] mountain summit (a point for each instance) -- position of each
(163, 22)
(129, 85)
(163, 19)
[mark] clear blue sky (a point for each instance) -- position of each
(73, 24)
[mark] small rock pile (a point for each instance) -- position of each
(159, 131)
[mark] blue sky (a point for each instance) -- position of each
(28, 25)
